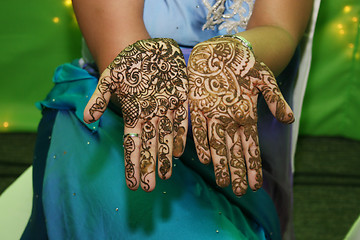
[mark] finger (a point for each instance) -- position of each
(250, 145)
(273, 96)
(180, 129)
(148, 154)
(237, 164)
(100, 98)
(219, 153)
(165, 147)
(132, 146)
(198, 123)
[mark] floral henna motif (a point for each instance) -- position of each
(224, 82)
(273, 94)
(129, 147)
(147, 159)
(149, 81)
(199, 127)
(181, 115)
(165, 129)
(237, 162)
(105, 88)
(217, 142)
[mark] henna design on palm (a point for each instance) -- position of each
(148, 80)
(129, 148)
(225, 80)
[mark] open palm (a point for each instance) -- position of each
(148, 80)
(225, 80)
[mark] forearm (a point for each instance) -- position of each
(108, 26)
(275, 30)
(272, 45)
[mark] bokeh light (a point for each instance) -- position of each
(56, 20)
(68, 3)
(347, 9)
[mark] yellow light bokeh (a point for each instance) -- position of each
(56, 20)
(341, 32)
(351, 45)
(355, 19)
(5, 124)
(347, 9)
(68, 3)
(340, 26)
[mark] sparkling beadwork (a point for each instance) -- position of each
(216, 15)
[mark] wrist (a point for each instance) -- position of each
(242, 40)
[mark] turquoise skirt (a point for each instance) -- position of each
(80, 190)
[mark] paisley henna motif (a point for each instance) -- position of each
(224, 82)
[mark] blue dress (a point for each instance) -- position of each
(78, 179)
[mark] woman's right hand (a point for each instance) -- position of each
(148, 80)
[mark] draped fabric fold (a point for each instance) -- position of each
(84, 193)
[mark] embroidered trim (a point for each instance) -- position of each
(216, 16)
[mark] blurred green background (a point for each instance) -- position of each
(38, 35)
(332, 101)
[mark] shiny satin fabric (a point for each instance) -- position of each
(82, 191)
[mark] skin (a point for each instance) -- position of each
(148, 81)
(108, 34)
(274, 30)
(225, 80)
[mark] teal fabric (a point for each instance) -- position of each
(85, 195)
(74, 87)
(84, 192)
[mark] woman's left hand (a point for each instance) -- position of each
(225, 80)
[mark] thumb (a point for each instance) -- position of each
(100, 98)
(273, 96)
